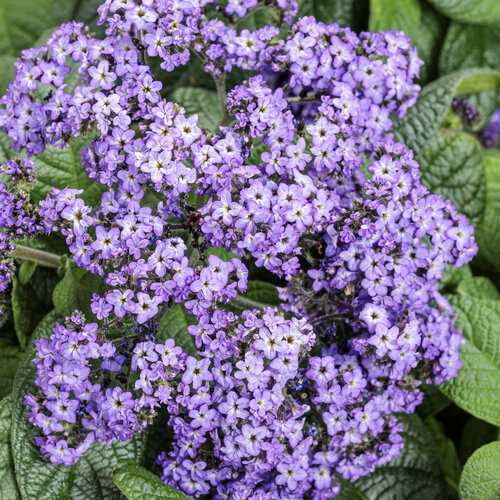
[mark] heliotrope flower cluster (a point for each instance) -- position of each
(490, 136)
(302, 178)
(18, 217)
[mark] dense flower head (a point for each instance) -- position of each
(303, 179)
(19, 218)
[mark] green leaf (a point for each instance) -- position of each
(26, 271)
(470, 46)
(8, 485)
(394, 14)
(434, 401)
(259, 294)
(475, 433)
(414, 475)
(342, 12)
(10, 358)
(202, 102)
(75, 290)
(137, 483)
(479, 288)
(62, 168)
(481, 479)
(174, 326)
(23, 21)
(37, 478)
(6, 71)
(22, 303)
(476, 389)
(452, 165)
(423, 120)
(452, 276)
(470, 11)
(473, 46)
(488, 230)
(447, 454)
(429, 38)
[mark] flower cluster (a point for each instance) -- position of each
(468, 113)
(227, 415)
(76, 406)
(490, 136)
(303, 179)
(18, 217)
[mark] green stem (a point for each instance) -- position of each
(42, 258)
(220, 83)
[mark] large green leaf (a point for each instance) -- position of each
(414, 475)
(470, 46)
(476, 389)
(8, 486)
(24, 310)
(36, 477)
(202, 102)
(62, 168)
(481, 475)
(343, 12)
(423, 120)
(137, 483)
(259, 294)
(452, 165)
(429, 38)
(394, 14)
(174, 325)
(473, 46)
(478, 287)
(75, 290)
(470, 11)
(10, 358)
(488, 230)
(23, 21)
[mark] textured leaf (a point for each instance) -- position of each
(8, 485)
(62, 168)
(23, 21)
(452, 276)
(137, 483)
(488, 230)
(470, 11)
(75, 290)
(174, 326)
(26, 271)
(481, 478)
(6, 71)
(22, 302)
(479, 288)
(476, 389)
(36, 477)
(93, 475)
(10, 358)
(452, 165)
(423, 120)
(202, 102)
(470, 46)
(342, 12)
(473, 46)
(429, 38)
(259, 294)
(394, 14)
(414, 475)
